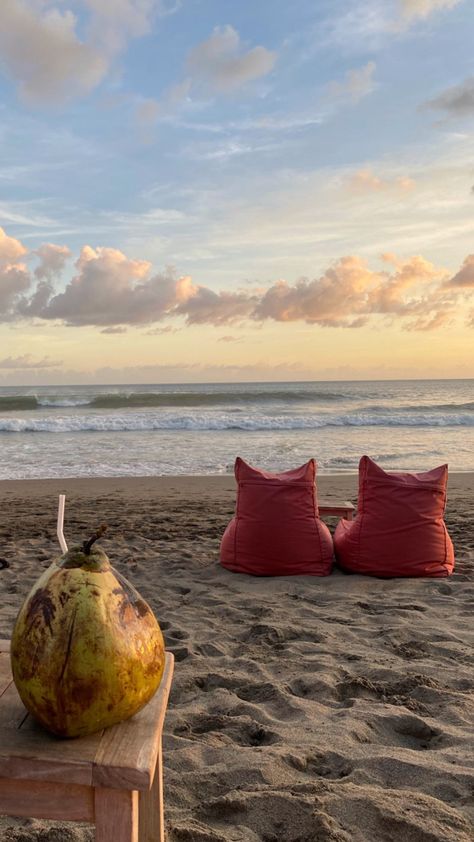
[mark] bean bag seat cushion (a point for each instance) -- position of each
(276, 530)
(399, 529)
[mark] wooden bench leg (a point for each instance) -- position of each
(116, 815)
(152, 822)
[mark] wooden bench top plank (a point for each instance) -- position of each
(127, 754)
(69, 802)
(328, 507)
(37, 755)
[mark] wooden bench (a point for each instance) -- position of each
(113, 779)
(345, 510)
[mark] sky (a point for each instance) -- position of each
(213, 190)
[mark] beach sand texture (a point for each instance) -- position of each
(303, 709)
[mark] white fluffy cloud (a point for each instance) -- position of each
(112, 291)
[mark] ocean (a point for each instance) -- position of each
(130, 430)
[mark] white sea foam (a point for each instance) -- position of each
(149, 421)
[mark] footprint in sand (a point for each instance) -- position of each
(242, 733)
(327, 765)
(177, 634)
(417, 734)
(180, 652)
(210, 650)
(411, 650)
(274, 702)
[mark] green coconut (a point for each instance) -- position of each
(86, 650)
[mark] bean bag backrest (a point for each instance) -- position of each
(399, 529)
(276, 530)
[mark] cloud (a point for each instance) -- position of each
(159, 331)
(373, 22)
(222, 64)
(415, 9)
(14, 280)
(112, 330)
(333, 300)
(10, 248)
(43, 54)
(219, 65)
(52, 260)
(365, 181)
(457, 101)
(465, 277)
(27, 362)
(348, 293)
(357, 83)
(205, 306)
(103, 292)
(113, 22)
(112, 291)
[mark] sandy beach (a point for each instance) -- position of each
(303, 709)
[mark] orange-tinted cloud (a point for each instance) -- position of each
(465, 276)
(365, 181)
(113, 291)
(10, 248)
(413, 9)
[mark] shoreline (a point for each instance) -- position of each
(457, 480)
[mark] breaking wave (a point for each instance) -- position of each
(123, 400)
(134, 422)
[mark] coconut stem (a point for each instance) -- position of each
(86, 547)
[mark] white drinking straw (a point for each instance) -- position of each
(60, 533)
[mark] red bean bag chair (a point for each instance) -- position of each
(276, 530)
(399, 529)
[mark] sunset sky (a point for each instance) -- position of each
(197, 190)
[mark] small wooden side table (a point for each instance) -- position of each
(113, 779)
(345, 509)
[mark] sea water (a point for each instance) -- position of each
(151, 430)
